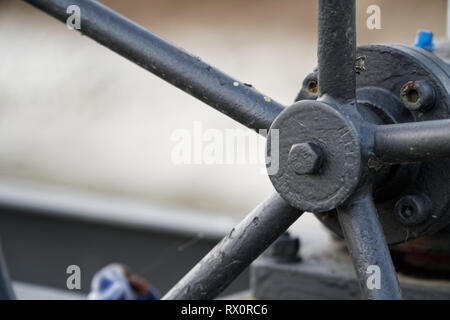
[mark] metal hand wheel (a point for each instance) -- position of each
(348, 148)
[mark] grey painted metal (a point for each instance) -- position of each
(305, 158)
(337, 79)
(413, 142)
(345, 142)
(234, 98)
(236, 251)
(337, 49)
(6, 289)
(327, 273)
(367, 246)
(339, 142)
(357, 156)
(379, 103)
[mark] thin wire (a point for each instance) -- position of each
(168, 254)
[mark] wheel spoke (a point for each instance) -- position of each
(367, 246)
(413, 142)
(337, 49)
(236, 251)
(6, 290)
(237, 100)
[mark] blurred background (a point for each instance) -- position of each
(80, 122)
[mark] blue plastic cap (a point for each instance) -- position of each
(424, 40)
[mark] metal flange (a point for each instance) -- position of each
(387, 69)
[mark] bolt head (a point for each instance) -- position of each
(413, 209)
(418, 95)
(305, 158)
(285, 249)
(310, 87)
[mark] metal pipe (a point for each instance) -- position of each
(412, 142)
(236, 251)
(337, 49)
(367, 246)
(172, 64)
(6, 290)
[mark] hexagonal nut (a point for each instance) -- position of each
(305, 158)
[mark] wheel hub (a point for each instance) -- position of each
(343, 134)
(320, 165)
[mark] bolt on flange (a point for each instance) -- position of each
(285, 249)
(418, 95)
(413, 209)
(310, 88)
